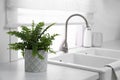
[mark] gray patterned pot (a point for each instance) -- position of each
(35, 64)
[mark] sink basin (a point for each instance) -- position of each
(81, 59)
(86, 62)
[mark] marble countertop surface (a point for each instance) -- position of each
(15, 71)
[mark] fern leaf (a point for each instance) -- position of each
(17, 46)
(18, 34)
(40, 56)
(46, 29)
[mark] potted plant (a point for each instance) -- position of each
(35, 45)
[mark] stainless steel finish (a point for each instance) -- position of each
(64, 46)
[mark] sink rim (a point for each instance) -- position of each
(78, 66)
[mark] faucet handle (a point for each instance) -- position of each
(64, 47)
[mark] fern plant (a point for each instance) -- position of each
(33, 39)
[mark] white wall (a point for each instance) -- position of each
(4, 52)
(107, 19)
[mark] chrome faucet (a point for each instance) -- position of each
(64, 46)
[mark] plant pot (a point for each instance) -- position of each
(35, 64)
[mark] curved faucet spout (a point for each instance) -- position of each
(64, 47)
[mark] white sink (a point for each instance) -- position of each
(86, 62)
(81, 59)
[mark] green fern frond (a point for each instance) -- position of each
(17, 46)
(46, 29)
(20, 35)
(40, 56)
(33, 38)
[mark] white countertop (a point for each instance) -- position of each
(15, 71)
(109, 45)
